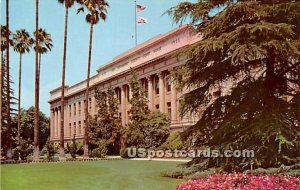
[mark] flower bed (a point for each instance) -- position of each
(241, 182)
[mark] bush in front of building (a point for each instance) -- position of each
(124, 152)
(23, 150)
(173, 142)
(49, 151)
(157, 129)
(100, 151)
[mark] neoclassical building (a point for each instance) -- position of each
(152, 60)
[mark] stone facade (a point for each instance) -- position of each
(152, 60)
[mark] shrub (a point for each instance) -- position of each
(23, 150)
(124, 152)
(99, 152)
(173, 142)
(79, 148)
(237, 181)
(49, 150)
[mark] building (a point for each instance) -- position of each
(153, 61)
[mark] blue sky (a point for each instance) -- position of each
(110, 39)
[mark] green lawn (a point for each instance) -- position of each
(106, 174)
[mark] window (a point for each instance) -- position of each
(74, 109)
(70, 111)
(145, 85)
(169, 84)
(157, 106)
(90, 104)
(79, 108)
(156, 85)
(169, 109)
(70, 129)
(79, 127)
(74, 128)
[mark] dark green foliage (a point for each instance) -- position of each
(73, 148)
(133, 133)
(146, 129)
(124, 152)
(23, 150)
(173, 142)
(49, 150)
(27, 126)
(100, 151)
(106, 125)
(157, 129)
(250, 56)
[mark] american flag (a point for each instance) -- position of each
(140, 8)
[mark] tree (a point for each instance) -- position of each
(134, 135)
(106, 125)
(146, 129)
(97, 10)
(27, 126)
(36, 150)
(250, 49)
(68, 4)
(22, 43)
(3, 81)
(9, 150)
(5, 103)
(44, 45)
(157, 129)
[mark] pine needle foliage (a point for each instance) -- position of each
(250, 55)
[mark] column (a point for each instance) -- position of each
(174, 109)
(123, 105)
(66, 119)
(93, 105)
(127, 91)
(150, 92)
(161, 92)
(51, 124)
(55, 122)
(58, 123)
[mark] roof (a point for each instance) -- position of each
(141, 47)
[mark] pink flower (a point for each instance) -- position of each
(238, 181)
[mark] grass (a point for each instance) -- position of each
(106, 174)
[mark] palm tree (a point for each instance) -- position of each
(44, 45)
(68, 4)
(97, 10)
(22, 43)
(36, 150)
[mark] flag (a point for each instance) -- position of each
(142, 20)
(140, 8)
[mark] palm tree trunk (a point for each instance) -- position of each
(19, 100)
(9, 143)
(63, 76)
(1, 88)
(86, 129)
(40, 60)
(37, 89)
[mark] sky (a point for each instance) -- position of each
(110, 38)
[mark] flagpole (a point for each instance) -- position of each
(135, 24)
